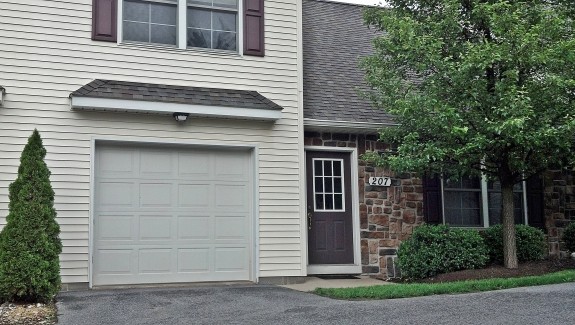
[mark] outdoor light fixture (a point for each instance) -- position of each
(2, 92)
(180, 117)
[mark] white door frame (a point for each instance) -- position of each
(354, 268)
(254, 161)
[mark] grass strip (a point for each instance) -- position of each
(427, 289)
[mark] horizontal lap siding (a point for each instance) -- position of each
(46, 53)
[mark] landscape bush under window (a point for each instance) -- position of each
(435, 249)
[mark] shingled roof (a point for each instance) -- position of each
(112, 89)
(334, 41)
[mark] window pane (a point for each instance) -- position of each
(319, 184)
(164, 14)
(338, 198)
(452, 200)
(495, 208)
(215, 3)
(226, 3)
(463, 208)
(337, 185)
(328, 185)
(463, 217)
(327, 167)
(470, 182)
(199, 18)
(452, 217)
(138, 32)
(317, 170)
(225, 41)
(136, 11)
(163, 34)
(224, 21)
(470, 200)
(200, 2)
(471, 217)
(452, 183)
(329, 201)
(199, 38)
(319, 201)
(463, 183)
(337, 168)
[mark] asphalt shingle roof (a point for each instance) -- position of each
(335, 39)
(113, 89)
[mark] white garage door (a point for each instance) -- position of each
(168, 214)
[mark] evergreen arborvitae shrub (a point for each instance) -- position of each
(531, 245)
(439, 249)
(30, 243)
(569, 237)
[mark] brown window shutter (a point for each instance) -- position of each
(104, 20)
(254, 27)
(432, 211)
(535, 202)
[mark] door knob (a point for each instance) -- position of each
(309, 215)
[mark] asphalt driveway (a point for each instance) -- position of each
(258, 304)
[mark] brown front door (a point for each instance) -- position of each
(329, 207)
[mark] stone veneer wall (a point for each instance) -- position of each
(559, 207)
(389, 214)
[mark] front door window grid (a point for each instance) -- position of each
(328, 185)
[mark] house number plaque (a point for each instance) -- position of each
(379, 181)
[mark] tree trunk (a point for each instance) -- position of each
(508, 222)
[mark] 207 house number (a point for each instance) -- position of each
(379, 181)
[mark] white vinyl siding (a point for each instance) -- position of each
(47, 53)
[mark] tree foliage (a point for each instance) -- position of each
(30, 243)
(477, 87)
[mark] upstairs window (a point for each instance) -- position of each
(150, 21)
(213, 24)
(228, 25)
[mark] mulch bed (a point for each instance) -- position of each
(498, 271)
(27, 314)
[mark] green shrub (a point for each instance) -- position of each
(439, 249)
(29, 243)
(569, 237)
(531, 245)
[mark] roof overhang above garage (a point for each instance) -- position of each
(120, 96)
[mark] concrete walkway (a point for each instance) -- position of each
(311, 283)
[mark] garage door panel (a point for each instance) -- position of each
(231, 228)
(115, 227)
(230, 167)
(194, 195)
(114, 261)
(177, 215)
(156, 195)
(194, 228)
(230, 259)
(194, 165)
(194, 260)
(232, 196)
(156, 164)
(156, 228)
(116, 194)
(155, 260)
(114, 162)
